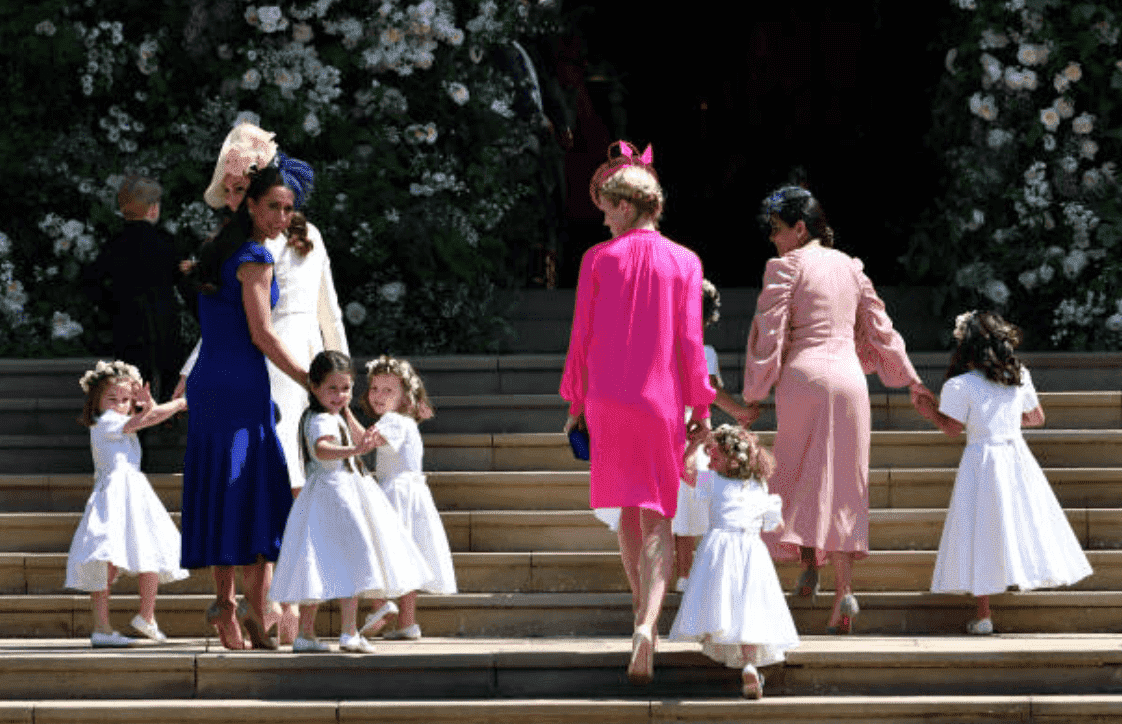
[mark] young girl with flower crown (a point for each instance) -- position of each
(733, 603)
(397, 397)
(343, 539)
(1004, 526)
(125, 528)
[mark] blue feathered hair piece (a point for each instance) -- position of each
(297, 176)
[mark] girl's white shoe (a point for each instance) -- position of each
(378, 617)
(151, 630)
(980, 627)
(752, 683)
(309, 646)
(409, 633)
(355, 644)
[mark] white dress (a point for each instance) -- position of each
(125, 523)
(733, 596)
(308, 320)
(1004, 526)
(398, 470)
(692, 518)
(343, 538)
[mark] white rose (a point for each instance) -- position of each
(1028, 279)
(1114, 323)
(392, 291)
(996, 290)
(355, 313)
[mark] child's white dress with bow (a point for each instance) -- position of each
(343, 538)
(1004, 526)
(125, 523)
(398, 470)
(733, 596)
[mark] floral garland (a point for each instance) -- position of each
(108, 370)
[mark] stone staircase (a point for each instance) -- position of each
(541, 627)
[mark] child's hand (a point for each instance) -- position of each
(748, 415)
(690, 476)
(142, 397)
(368, 442)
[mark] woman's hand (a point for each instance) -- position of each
(575, 422)
(924, 400)
(748, 415)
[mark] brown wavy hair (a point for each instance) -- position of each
(986, 343)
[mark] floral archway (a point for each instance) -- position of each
(1029, 113)
(423, 121)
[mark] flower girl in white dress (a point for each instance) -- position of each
(1004, 526)
(125, 527)
(733, 603)
(343, 539)
(397, 397)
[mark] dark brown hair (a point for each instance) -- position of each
(986, 343)
(298, 234)
(91, 409)
(793, 204)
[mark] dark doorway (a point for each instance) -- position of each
(742, 98)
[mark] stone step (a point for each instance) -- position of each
(896, 487)
(627, 708)
(546, 413)
(541, 373)
(528, 669)
(40, 454)
(593, 614)
(558, 572)
(576, 531)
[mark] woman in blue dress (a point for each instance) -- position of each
(236, 493)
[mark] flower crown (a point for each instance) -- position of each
(737, 445)
(400, 369)
(108, 370)
(961, 322)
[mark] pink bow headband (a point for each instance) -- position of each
(620, 155)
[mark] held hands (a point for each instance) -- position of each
(748, 414)
(924, 401)
(370, 440)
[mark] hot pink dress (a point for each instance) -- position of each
(636, 358)
(819, 329)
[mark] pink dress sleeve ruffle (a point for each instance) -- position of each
(879, 347)
(767, 340)
(574, 379)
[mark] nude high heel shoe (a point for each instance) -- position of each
(641, 669)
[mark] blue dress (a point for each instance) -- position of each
(236, 494)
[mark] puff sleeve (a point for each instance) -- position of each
(954, 399)
(772, 513)
(879, 346)
(392, 427)
(767, 340)
(1030, 401)
(328, 313)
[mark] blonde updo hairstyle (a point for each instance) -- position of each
(748, 458)
(416, 399)
(625, 176)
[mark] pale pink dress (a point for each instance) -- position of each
(636, 358)
(819, 329)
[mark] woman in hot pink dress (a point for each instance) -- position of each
(636, 359)
(819, 329)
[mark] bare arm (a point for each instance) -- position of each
(928, 406)
(256, 281)
(1033, 418)
(151, 414)
(328, 448)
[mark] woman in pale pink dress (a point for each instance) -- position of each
(819, 329)
(635, 360)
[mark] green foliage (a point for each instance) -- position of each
(1032, 213)
(418, 118)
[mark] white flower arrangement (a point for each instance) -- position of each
(103, 369)
(1083, 124)
(63, 327)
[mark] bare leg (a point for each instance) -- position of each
(308, 620)
(983, 607)
(407, 607)
(348, 613)
(257, 578)
(225, 619)
(147, 583)
(630, 550)
(655, 566)
(99, 605)
(843, 582)
(683, 554)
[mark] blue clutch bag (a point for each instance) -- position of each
(578, 440)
